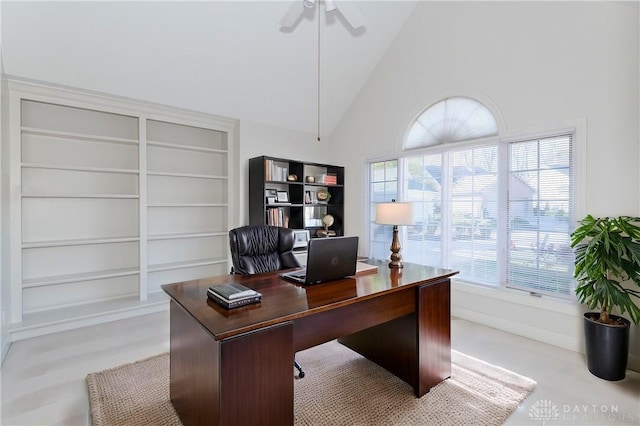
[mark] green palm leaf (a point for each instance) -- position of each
(607, 264)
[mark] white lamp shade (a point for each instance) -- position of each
(394, 214)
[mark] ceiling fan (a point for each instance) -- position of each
(348, 9)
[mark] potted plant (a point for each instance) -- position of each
(607, 271)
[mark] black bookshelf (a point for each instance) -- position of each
(298, 200)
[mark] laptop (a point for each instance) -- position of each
(328, 259)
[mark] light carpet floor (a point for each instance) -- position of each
(340, 388)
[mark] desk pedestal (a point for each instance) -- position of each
(243, 380)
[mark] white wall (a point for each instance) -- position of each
(541, 64)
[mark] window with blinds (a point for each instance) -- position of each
(473, 203)
(383, 187)
(540, 212)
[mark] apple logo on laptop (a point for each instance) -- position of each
(335, 260)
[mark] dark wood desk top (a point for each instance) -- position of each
(284, 301)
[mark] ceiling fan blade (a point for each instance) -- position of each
(351, 13)
(293, 14)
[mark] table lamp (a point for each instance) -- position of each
(394, 214)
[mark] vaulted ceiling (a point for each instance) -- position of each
(229, 58)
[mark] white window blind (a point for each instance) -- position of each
(383, 187)
(474, 214)
(451, 120)
(540, 212)
(454, 196)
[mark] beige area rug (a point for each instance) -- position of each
(340, 388)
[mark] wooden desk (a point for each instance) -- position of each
(235, 367)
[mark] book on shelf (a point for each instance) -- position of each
(275, 172)
(311, 197)
(233, 295)
(327, 178)
(277, 217)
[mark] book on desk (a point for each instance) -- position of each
(233, 295)
(363, 268)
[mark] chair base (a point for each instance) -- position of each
(297, 366)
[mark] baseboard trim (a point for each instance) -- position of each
(496, 310)
(6, 344)
(544, 320)
(634, 362)
(20, 331)
(534, 333)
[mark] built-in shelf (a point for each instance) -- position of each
(81, 242)
(187, 205)
(114, 196)
(109, 205)
(79, 168)
(78, 136)
(185, 264)
(187, 189)
(187, 175)
(71, 278)
(186, 147)
(186, 235)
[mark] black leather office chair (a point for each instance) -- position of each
(262, 248)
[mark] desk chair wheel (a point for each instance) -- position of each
(300, 372)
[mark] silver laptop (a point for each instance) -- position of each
(328, 259)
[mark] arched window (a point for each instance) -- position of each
(453, 119)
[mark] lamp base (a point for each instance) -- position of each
(396, 258)
(396, 264)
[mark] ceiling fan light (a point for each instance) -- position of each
(329, 5)
(309, 3)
